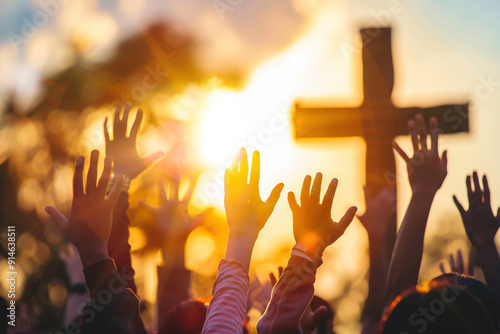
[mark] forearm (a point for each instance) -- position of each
(375, 301)
(240, 247)
(118, 245)
(407, 256)
(173, 254)
(290, 297)
(113, 307)
(227, 309)
(490, 263)
(174, 284)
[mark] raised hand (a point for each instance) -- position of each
(479, 221)
(426, 173)
(89, 223)
(313, 226)
(172, 215)
(426, 170)
(246, 212)
(273, 279)
(458, 266)
(123, 149)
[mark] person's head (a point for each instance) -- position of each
(477, 288)
(444, 305)
(187, 317)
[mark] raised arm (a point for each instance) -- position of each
(426, 173)
(313, 230)
(481, 226)
(380, 211)
(88, 228)
(246, 215)
(175, 224)
(127, 162)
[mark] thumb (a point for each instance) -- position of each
(58, 217)
(275, 196)
(444, 160)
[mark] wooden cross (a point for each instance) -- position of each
(377, 120)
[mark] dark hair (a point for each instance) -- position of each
(476, 288)
(440, 307)
(187, 317)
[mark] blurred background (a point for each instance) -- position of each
(212, 76)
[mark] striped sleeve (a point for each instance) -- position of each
(227, 309)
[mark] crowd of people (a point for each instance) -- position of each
(98, 229)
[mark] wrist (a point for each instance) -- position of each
(484, 244)
(173, 256)
(240, 248)
(90, 254)
(424, 194)
(126, 182)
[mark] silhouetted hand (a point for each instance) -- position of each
(123, 149)
(89, 223)
(246, 212)
(273, 279)
(259, 294)
(313, 226)
(479, 221)
(172, 216)
(426, 170)
(311, 319)
(380, 211)
(458, 265)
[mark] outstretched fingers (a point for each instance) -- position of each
(412, 130)
(118, 129)
(346, 220)
(478, 193)
(243, 165)
(106, 131)
(58, 217)
(400, 151)
(255, 171)
(486, 190)
(434, 131)
(330, 194)
(292, 202)
(316, 188)
(78, 178)
(304, 193)
(134, 130)
(92, 173)
(106, 174)
(274, 196)
(422, 131)
(459, 205)
(470, 194)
